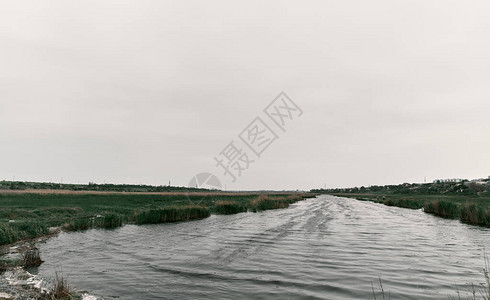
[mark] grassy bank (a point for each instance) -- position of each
(27, 215)
(469, 209)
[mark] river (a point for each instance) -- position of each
(324, 248)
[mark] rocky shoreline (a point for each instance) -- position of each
(17, 281)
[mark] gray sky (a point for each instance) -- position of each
(152, 91)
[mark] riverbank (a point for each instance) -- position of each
(27, 215)
(19, 278)
(469, 209)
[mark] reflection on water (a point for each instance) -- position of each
(328, 248)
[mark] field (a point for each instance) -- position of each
(30, 214)
(470, 209)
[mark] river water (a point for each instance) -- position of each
(325, 248)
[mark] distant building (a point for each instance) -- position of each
(479, 181)
(449, 180)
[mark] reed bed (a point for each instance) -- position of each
(469, 213)
(25, 216)
(229, 207)
(171, 214)
(8, 235)
(443, 209)
(475, 215)
(22, 230)
(266, 202)
(405, 203)
(109, 221)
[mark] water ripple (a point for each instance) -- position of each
(323, 248)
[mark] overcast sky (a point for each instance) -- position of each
(152, 91)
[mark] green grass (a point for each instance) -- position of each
(469, 209)
(25, 216)
(20, 230)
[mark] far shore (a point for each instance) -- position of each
(211, 193)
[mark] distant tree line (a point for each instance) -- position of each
(464, 187)
(107, 187)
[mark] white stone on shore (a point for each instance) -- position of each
(88, 297)
(5, 296)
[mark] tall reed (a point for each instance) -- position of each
(441, 208)
(31, 258)
(228, 207)
(475, 215)
(265, 202)
(171, 214)
(61, 289)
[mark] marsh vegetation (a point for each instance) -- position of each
(28, 215)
